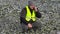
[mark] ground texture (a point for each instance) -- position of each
(9, 15)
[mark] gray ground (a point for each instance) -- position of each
(9, 15)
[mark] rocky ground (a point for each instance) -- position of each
(9, 15)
